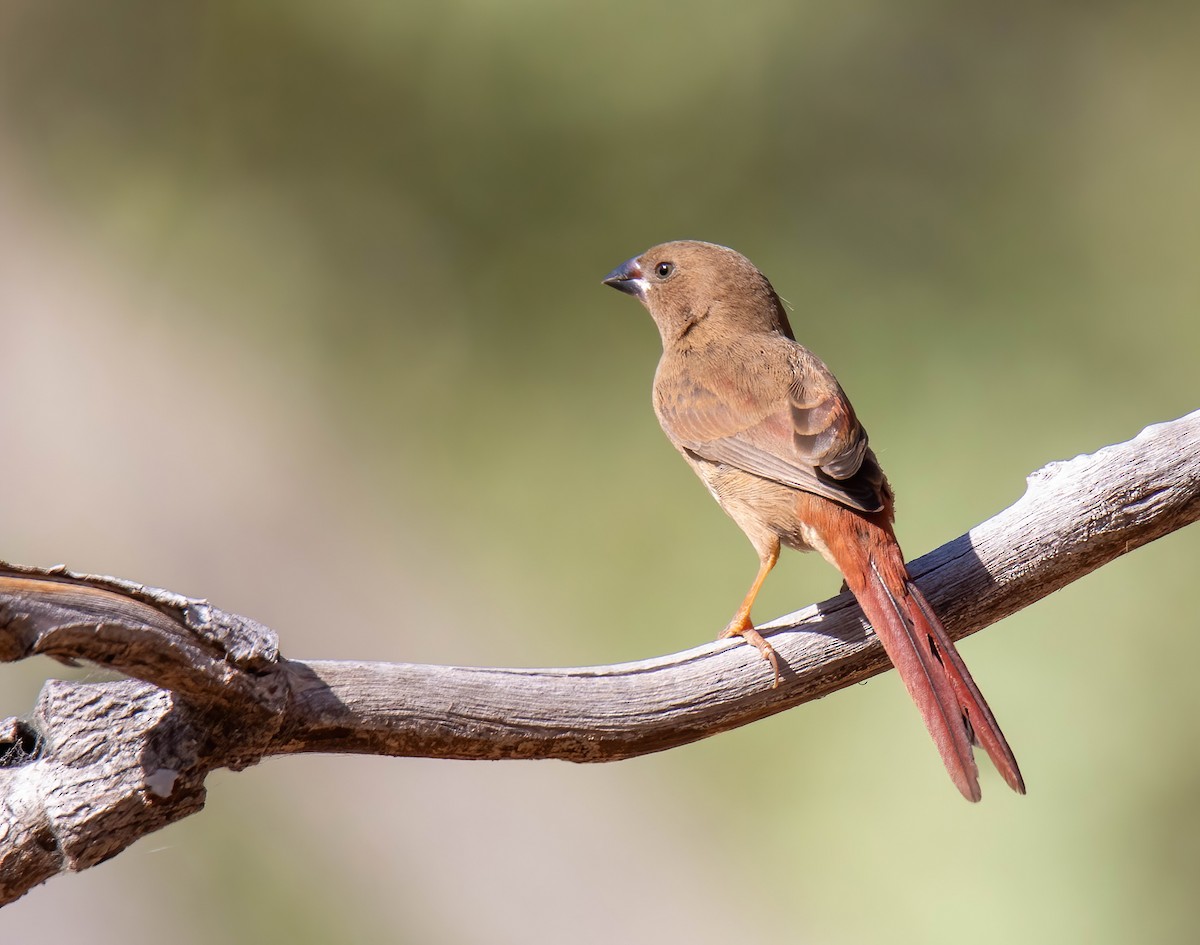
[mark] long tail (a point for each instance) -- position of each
(955, 713)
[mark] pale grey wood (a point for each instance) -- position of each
(98, 765)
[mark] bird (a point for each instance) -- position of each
(768, 429)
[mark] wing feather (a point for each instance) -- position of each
(799, 430)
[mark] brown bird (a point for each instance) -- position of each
(770, 432)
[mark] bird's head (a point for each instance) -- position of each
(688, 285)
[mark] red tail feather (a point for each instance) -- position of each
(950, 703)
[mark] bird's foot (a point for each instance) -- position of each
(742, 627)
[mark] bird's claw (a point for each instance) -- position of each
(747, 632)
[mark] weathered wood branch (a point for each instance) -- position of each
(98, 765)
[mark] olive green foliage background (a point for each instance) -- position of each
(300, 311)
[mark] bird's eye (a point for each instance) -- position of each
(664, 269)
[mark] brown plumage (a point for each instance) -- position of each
(770, 432)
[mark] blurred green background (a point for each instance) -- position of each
(300, 311)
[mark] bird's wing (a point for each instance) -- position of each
(798, 429)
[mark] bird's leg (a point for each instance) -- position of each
(741, 626)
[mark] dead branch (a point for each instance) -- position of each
(98, 765)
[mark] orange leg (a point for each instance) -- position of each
(741, 626)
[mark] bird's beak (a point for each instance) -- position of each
(627, 278)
